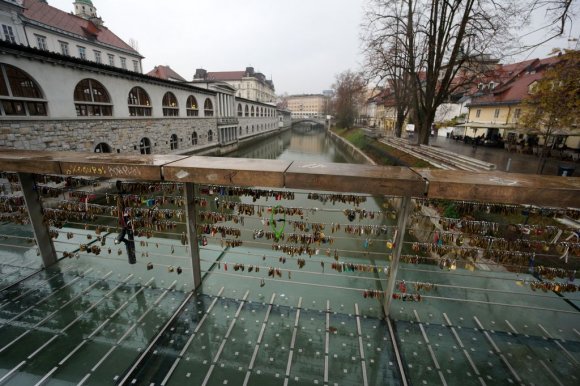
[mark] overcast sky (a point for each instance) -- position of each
(301, 44)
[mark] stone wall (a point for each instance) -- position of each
(122, 135)
(352, 150)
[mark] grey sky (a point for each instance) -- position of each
(301, 44)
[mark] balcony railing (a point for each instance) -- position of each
(333, 248)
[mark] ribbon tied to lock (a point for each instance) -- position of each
(277, 232)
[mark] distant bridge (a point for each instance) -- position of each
(316, 121)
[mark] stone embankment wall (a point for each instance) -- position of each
(123, 135)
(351, 150)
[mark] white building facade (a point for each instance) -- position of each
(81, 35)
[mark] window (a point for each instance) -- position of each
(41, 42)
(191, 107)
(145, 146)
(139, 103)
(247, 130)
(173, 142)
(111, 59)
(252, 111)
(136, 66)
(210, 136)
(517, 113)
(16, 85)
(8, 33)
(170, 108)
(247, 111)
(82, 52)
(64, 48)
(194, 138)
(240, 131)
(208, 108)
(97, 56)
(496, 113)
(477, 113)
(124, 63)
(240, 111)
(103, 148)
(92, 99)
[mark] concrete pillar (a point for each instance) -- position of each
(190, 214)
(41, 234)
(404, 212)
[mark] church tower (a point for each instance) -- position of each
(85, 9)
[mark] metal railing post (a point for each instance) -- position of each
(41, 231)
(191, 220)
(404, 212)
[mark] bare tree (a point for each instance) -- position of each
(441, 39)
(558, 13)
(386, 57)
(349, 91)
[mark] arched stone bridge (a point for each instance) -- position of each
(317, 121)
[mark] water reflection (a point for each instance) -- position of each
(296, 145)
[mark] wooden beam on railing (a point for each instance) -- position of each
(135, 167)
(228, 171)
(370, 179)
(31, 161)
(501, 187)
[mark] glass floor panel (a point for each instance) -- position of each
(88, 325)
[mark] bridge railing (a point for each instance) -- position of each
(377, 234)
(489, 250)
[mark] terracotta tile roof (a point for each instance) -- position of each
(226, 75)
(43, 13)
(516, 88)
(166, 73)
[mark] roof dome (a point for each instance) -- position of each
(87, 2)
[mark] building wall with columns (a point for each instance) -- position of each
(60, 127)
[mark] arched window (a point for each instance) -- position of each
(247, 130)
(145, 146)
(261, 111)
(247, 111)
(191, 107)
(240, 111)
(103, 148)
(252, 128)
(240, 131)
(252, 111)
(139, 103)
(173, 142)
(16, 84)
(170, 107)
(208, 108)
(210, 136)
(194, 138)
(92, 99)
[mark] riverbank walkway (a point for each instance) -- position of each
(520, 163)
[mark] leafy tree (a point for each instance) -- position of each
(349, 92)
(552, 105)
